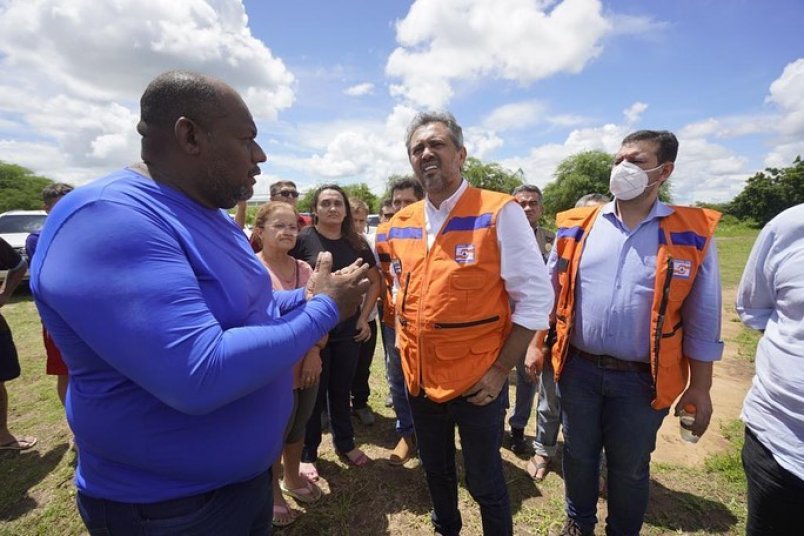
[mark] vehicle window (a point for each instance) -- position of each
(23, 223)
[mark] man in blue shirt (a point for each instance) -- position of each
(606, 357)
(179, 353)
(771, 299)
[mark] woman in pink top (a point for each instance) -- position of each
(276, 226)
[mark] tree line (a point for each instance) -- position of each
(764, 195)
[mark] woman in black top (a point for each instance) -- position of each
(334, 231)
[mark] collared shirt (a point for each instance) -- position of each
(771, 298)
(614, 291)
(521, 264)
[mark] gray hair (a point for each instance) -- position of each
(425, 118)
(527, 188)
(53, 192)
(591, 200)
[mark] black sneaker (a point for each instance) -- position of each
(571, 528)
(519, 445)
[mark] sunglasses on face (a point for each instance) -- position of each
(289, 193)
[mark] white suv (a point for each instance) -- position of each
(16, 225)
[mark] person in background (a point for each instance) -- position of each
(284, 191)
(459, 256)
(637, 323)
(404, 192)
(180, 354)
(333, 231)
(276, 224)
(548, 412)
(386, 210)
(529, 197)
(360, 383)
(771, 299)
(386, 213)
(54, 366)
(9, 361)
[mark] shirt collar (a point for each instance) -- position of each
(449, 203)
(658, 210)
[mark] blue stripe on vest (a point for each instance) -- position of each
(468, 223)
(381, 238)
(403, 233)
(662, 240)
(688, 238)
(576, 233)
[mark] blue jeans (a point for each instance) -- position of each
(611, 409)
(338, 364)
(548, 413)
(523, 401)
(396, 384)
(237, 509)
(480, 429)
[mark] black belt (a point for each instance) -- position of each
(610, 362)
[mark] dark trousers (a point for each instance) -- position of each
(775, 495)
(338, 363)
(360, 383)
(244, 508)
(480, 429)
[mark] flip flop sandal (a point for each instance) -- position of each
(535, 467)
(358, 461)
(289, 516)
(20, 443)
(308, 495)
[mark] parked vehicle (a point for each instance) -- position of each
(16, 225)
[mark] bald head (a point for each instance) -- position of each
(176, 94)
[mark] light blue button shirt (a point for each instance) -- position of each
(614, 294)
(771, 298)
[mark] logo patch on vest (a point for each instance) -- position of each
(465, 253)
(682, 268)
(396, 264)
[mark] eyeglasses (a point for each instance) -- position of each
(289, 193)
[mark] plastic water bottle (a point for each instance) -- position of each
(687, 418)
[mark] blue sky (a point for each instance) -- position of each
(333, 84)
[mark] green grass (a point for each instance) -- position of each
(37, 494)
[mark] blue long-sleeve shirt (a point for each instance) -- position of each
(179, 353)
(614, 291)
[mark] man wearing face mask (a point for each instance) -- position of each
(637, 323)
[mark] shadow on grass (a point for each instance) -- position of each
(21, 471)
(679, 511)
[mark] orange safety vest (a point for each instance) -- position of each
(452, 308)
(384, 254)
(684, 237)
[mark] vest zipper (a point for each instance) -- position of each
(657, 337)
(453, 325)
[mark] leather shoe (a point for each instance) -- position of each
(404, 451)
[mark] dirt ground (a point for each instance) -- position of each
(732, 378)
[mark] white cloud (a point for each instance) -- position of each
(366, 88)
(444, 41)
(74, 71)
(516, 115)
(634, 112)
(786, 93)
(704, 170)
(366, 152)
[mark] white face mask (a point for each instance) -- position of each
(628, 180)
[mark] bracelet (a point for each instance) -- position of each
(501, 368)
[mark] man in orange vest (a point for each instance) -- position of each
(461, 257)
(404, 192)
(637, 323)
